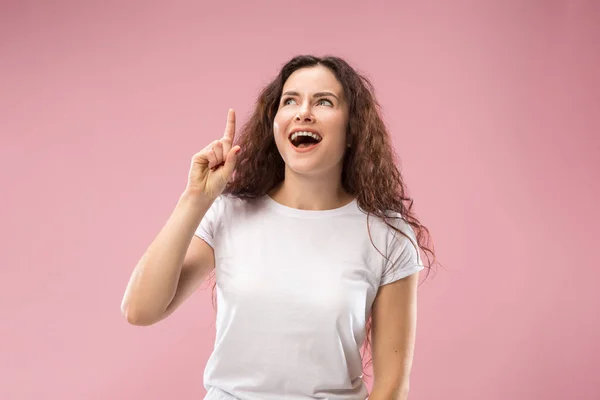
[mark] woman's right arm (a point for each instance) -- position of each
(173, 266)
(176, 262)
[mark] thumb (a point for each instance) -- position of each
(230, 162)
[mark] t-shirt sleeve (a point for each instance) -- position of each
(404, 257)
(208, 226)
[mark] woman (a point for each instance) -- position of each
(313, 248)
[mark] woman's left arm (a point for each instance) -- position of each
(394, 320)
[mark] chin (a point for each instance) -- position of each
(303, 168)
(309, 168)
(311, 164)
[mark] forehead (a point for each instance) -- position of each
(312, 80)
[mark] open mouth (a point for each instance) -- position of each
(304, 139)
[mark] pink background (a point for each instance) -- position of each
(494, 111)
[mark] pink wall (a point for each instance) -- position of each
(494, 110)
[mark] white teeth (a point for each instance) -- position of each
(312, 135)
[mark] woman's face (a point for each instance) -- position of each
(311, 122)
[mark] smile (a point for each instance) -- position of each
(304, 139)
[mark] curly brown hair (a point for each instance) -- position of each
(370, 171)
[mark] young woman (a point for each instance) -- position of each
(314, 250)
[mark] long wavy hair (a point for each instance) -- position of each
(370, 172)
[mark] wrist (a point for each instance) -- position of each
(197, 196)
(195, 200)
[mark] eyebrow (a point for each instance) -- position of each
(320, 94)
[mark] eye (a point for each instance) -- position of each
(328, 101)
(286, 101)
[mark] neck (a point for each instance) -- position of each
(311, 193)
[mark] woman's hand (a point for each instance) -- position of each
(213, 167)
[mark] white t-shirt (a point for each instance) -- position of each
(294, 291)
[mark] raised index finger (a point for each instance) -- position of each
(230, 126)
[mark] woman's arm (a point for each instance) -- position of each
(394, 320)
(172, 267)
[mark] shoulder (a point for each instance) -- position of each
(390, 222)
(228, 204)
(227, 200)
(394, 229)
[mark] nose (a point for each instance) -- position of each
(304, 115)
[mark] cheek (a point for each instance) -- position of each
(279, 124)
(279, 130)
(338, 128)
